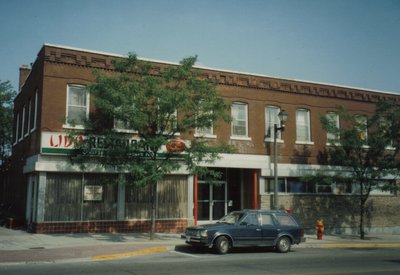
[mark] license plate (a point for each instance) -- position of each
(187, 238)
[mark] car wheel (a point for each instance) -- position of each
(222, 245)
(283, 245)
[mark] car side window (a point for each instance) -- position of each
(250, 219)
(286, 220)
(266, 219)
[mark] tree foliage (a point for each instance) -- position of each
(158, 107)
(367, 150)
(7, 95)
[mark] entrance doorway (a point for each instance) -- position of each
(212, 200)
(236, 189)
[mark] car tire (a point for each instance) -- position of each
(283, 245)
(222, 245)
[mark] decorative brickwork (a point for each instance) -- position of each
(102, 61)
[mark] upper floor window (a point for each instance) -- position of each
(77, 105)
(23, 122)
(33, 112)
(239, 120)
(362, 127)
(201, 119)
(168, 124)
(205, 131)
(333, 119)
(17, 127)
(272, 118)
(303, 131)
(123, 125)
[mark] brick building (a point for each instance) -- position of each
(54, 196)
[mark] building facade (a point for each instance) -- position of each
(53, 195)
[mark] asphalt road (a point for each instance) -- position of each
(184, 260)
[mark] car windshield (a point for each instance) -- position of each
(231, 218)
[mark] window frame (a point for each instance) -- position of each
(308, 125)
(126, 129)
(362, 119)
(205, 132)
(34, 109)
(23, 118)
(87, 106)
(246, 112)
(271, 127)
(330, 136)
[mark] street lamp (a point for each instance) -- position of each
(282, 118)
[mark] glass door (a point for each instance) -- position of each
(212, 200)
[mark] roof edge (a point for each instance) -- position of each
(224, 70)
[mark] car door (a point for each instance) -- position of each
(248, 231)
(269, 229)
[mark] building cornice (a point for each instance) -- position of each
(102, 60)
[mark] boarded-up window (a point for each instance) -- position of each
(65, 201)
(101, 206)
(172, 202)
(137, 202)
(172, 197)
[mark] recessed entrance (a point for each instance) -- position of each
(234, 190)
(212, 200)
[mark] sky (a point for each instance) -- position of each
(353, 43)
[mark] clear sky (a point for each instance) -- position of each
(345, 42)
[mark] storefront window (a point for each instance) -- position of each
(77, 197)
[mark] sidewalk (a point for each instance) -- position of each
(19, 247)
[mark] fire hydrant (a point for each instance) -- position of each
(320, 229)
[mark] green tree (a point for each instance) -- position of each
(159, 106)
(366, 149)
(7, 95)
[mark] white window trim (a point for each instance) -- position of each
(17, 129)
(278, 140)
(338, 126)
(28, 128)
(309, 142)
(241, 137)
(205, 135)
(305, 142)
(35, 112)
(23, 134)
(123, 130)
(271, 139)
(365, 131)
(197, 135)
(78, 126)
(197, 131)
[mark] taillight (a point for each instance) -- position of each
(302, 232)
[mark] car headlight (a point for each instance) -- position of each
(204, 233)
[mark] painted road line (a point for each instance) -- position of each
(129, 254)
(359, 245)
(186, 254)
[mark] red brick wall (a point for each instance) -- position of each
(164, 226)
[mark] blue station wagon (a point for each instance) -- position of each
(247, 228)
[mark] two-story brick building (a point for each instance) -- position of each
(55, 196)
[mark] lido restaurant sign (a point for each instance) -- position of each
(58, 143)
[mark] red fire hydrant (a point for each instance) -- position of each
(320, 229)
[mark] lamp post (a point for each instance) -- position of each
(282, 118)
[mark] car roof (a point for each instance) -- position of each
(263, 211)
